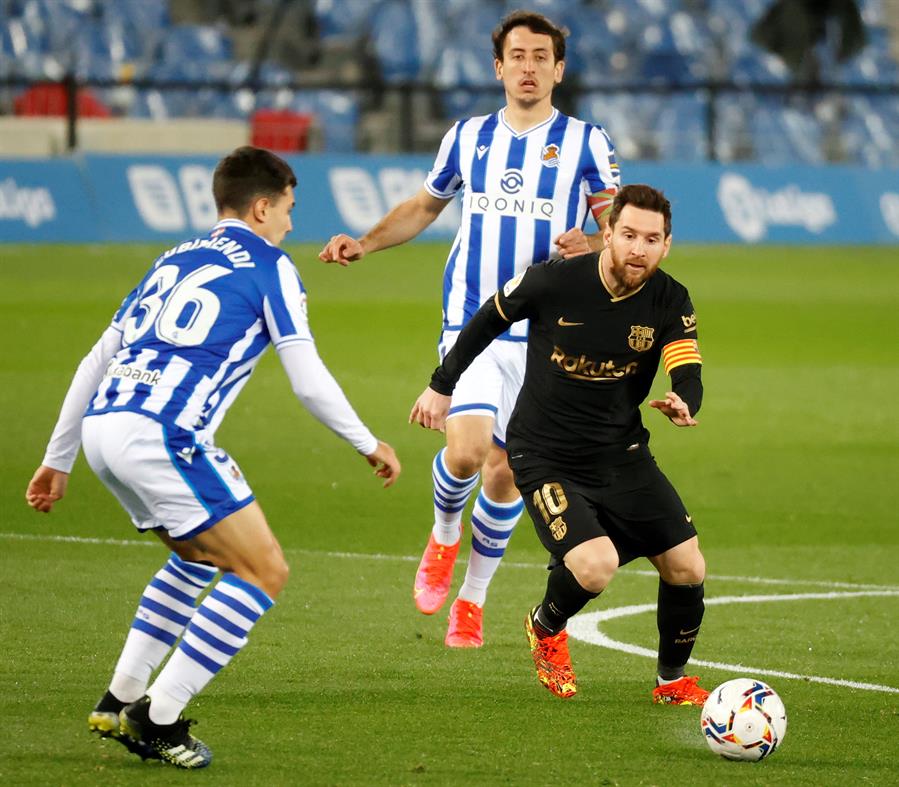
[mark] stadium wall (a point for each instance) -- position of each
(95, 198)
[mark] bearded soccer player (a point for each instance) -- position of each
(529, 176)
(146, 402)
(600, 325)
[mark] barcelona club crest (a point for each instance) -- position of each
(549, 156)
(640, 338)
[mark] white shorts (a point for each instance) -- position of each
(162, 477)
(491, 384)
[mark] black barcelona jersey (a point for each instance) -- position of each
(591, 357)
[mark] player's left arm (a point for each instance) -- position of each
(602, 179)
(682, 361)
(48, 484)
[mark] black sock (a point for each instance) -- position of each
(564, 598)
(679, 617)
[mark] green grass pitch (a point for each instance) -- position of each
(791, 478)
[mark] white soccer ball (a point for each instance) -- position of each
(744, 719)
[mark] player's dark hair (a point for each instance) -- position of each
(248, 174)
(641, 196)
(536, 23)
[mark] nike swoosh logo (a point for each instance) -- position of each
(689, 519)
(481, 151)
(691, 631)
(565, 324)
(418, 592)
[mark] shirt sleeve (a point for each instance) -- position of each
(602, 176)
(518, 298)
(66, 438)
(284, 305)
(445, 178)
(680, 345)
(320, 394)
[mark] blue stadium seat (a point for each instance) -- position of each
(394, 39)
(783, 134)
(869, 131)
(344, 18)
(680, 128)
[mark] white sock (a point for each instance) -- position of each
(450, 496)
(491, 527)
(164, 610)
(216, 634)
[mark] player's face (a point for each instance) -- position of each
(528, 70)
(276, 222)
(637, 245)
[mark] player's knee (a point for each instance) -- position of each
(688, 571)
(464, 460)
(594, 568)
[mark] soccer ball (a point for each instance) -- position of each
(744, 719)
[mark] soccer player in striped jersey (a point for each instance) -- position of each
(146, 402)
(600, 326)
(529, 177)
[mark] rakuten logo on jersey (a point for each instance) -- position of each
(18, 203)
(750, 210)
(166, 203)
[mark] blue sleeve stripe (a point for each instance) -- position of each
(442, 184)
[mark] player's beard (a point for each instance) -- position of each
(625, 277)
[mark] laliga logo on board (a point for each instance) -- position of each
(33, 206)
(750, 211)
(889, 208)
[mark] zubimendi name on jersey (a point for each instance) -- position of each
(236, 254)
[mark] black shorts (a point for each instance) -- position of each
(629, 500)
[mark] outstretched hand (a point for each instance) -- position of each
(342, 249)
(45, 488)
(675, 408)
(386, 463)
(430, 410)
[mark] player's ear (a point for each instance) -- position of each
(498, 68)
(667, 247)
(260, 209)
(559, 71)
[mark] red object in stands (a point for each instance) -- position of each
(281, 129)
(51, 100)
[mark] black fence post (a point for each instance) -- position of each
(71, 91)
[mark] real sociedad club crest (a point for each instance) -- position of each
(549, 156)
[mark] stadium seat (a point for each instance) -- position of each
(280, 130)
(394, 40)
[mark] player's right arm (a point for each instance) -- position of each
(406, 221)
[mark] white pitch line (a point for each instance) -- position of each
(585, 627)
(415, 558)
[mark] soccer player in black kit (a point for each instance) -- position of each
(600, 324)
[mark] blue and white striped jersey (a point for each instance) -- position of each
(195, 327)
(519, 191)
